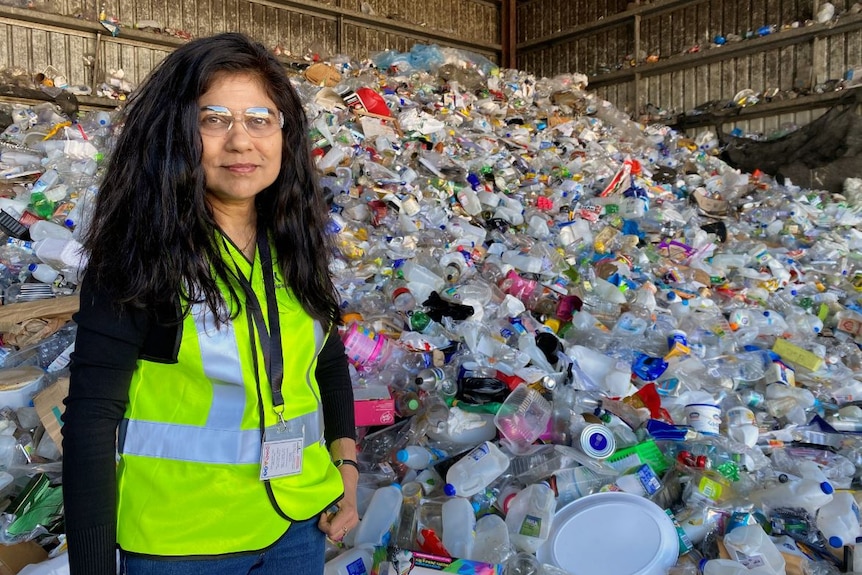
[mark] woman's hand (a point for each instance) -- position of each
(338, 520)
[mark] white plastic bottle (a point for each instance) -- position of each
(459, 525)
(42, 229)
(492, 540)
(478, 468)
(838, 520)
(383, 511)
(43, 273)
(418, 457)
(356, 561)
(529, 517)
(751, 546)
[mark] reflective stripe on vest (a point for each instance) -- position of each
(221, 440)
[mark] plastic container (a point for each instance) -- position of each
(722, 567)
(356, 561)
(574, 483)
(364, 347)
(751, 546)
(474, 471)
(411, 497)
(42, 229)
(523, 417)
(382, 514)
(492, 540)
(459, 524)
(43, 273)
(838, 520)
(529, 517)
(418, 457)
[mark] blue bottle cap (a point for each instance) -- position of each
(836, 542)
(827, 488)
(449, 490)
(402, 455)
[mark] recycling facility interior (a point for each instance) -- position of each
(735, 67)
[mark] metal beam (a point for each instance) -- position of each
(744, 48)
(613, 21)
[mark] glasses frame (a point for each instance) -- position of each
(242, 116)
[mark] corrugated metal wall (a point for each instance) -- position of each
(694, 78)
(73, 42)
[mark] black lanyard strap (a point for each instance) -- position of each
(270, 338)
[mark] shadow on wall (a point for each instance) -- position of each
(820, 155)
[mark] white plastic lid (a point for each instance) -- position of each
(612, 532)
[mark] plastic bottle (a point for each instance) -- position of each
(418, 457)
(475, 470)
(529, 517)
(722, 567)
(356, 561)
(43, 273)
(574, 483)
(383, 512)
(492, 540)
(407, 402)
(411, 499)
(42, 229)
(459, 524)
(751, 546)
(838, 520)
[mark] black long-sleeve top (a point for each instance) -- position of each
(107, 348)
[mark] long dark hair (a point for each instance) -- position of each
(152, 232)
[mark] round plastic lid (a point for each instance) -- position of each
(402, 455)
(449, 489)
(826, 487)
(613, 532)
(836, 542)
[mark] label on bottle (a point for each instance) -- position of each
(531, 526)
(356, 568)
(480, 452)
(750, 561)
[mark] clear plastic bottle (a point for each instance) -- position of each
(574, 483)
(411, 499)
(382, 514)
(529, 517)
(475, 470)
(459, 525)
(492, 540)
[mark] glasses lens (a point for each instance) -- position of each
(259, 122)
(215, 120)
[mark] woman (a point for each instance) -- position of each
(207, 355)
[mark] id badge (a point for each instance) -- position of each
(281, 452)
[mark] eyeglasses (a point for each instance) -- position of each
(259, 122)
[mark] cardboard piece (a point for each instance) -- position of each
(18, 312)
(49, 406)
(13, 558)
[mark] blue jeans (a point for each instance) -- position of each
(300, 550)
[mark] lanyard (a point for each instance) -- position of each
(270, 339)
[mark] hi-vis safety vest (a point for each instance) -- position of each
(188, 477)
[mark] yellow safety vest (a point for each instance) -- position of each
(190, 443)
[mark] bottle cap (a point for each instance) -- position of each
(836, 542)
(702, 565)
(32, 267)
(449, 490)
(826, 487)
(402, 455)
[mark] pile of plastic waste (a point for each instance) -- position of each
(543, 301)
